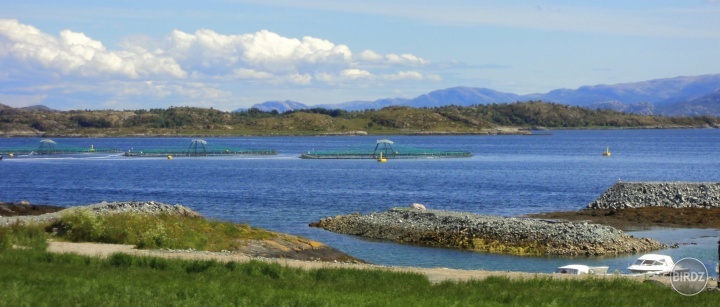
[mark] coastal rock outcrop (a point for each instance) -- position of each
(145, 207)
(489, 233)
(624, 195)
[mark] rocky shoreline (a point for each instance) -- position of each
(489, 233)
(279, 245)
(145, 207)
(624, 195)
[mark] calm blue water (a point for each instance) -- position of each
(507, 175)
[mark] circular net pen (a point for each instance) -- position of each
(197, 148)
(384, 149)
(50, 147)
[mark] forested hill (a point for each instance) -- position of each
(390, 120)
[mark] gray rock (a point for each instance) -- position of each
(488, 233)
(149, 207)
(659, 194)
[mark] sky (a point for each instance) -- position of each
(229, 54)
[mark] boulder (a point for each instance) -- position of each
(417, 206)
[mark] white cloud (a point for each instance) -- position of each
(404, 75)
(182, 66)
(370, 56)
(356, 74)
(74, 54)
(296, 78)
(391, 59)
(264, 51)
(244, 73)
(263, 55)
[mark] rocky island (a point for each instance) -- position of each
(462, 230)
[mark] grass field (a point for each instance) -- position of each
(30, 276)
(36, 278)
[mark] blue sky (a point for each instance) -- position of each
(235, 53)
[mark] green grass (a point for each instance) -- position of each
(30, 276)
(36, 278)
(155, 231)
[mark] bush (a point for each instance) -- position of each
(23, 236)
(120, 260)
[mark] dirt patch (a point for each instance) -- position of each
(641, 218)
(23, 208)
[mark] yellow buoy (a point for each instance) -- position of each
(92, 148)
(607, 152)
(381, 159)
(169, 157)
(11, 155)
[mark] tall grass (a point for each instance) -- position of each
(156, 231)
(23, 236)
(32, 277)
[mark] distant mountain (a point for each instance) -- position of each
(280, 106)
(365, 105)
(658, 92)
(462, 96)
(706, 105)
(38, 107)
(30, 108)
(676, 96)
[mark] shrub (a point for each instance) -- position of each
(23, 236)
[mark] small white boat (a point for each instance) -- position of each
(580, 269)
(652, 264)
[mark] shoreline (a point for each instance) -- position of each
(630, 219)
(501, 130)
(417, 225)
(435, 275)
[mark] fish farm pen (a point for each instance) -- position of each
(50, 147)
(197, 148)
(384, 150)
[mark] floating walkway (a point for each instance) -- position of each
(49, 147)
(384, 149)
(198, 148)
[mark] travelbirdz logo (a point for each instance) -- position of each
(689, 276)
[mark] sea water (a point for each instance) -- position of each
(508, 175)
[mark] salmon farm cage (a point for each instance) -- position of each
(384, 149)
(50, 147)
(197, 148)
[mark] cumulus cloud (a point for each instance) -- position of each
(371, 57)
(263, 52)
(356, 74)
(404, 75)
(190, 65)
(263, 55)
(75, 54)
